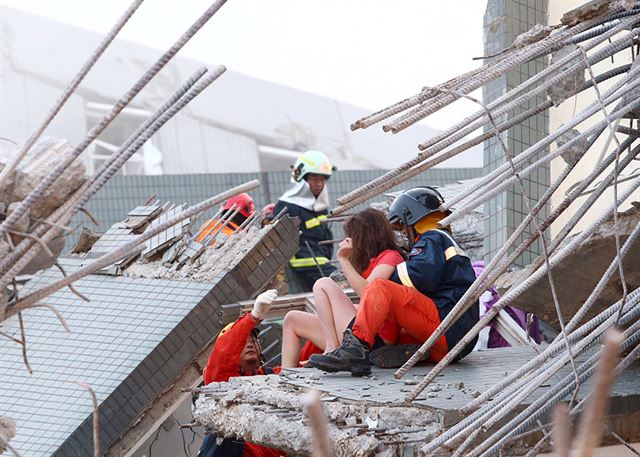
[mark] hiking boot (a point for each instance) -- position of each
(394, 356)
(352, 356)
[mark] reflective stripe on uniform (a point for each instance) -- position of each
(403, 274)
(454, 250)
(450, 252)
(316, 221)
(307, 262)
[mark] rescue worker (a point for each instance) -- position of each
(237, 352)
(267, 213)
(243, 202)
(418, 295)
(308, 200)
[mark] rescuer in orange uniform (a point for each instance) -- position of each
(237, 352)
(418, 295)
(246, 207)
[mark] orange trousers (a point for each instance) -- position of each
(411, 310)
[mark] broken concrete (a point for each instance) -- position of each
(575, 152)
(7, 431)
(45, 155)
(567, 87)
(576, 276)
(584, 12)
(205, 267)
(42, 261)
(535, 34)
(85, 241)
(263, 409)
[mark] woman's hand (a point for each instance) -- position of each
(344, 249)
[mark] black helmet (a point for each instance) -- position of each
(414, 204)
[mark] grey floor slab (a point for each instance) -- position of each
(456, 386)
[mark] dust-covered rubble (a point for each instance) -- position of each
(264, 410)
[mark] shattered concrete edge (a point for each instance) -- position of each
(270, 412)
(578, 274)
(7, 432)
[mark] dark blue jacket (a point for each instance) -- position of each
(312, 231)
(439, 268)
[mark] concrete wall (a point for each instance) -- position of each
(561, 114)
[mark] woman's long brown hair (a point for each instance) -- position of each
(371, 234)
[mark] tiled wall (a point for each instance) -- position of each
(504, 21)
(123, 193)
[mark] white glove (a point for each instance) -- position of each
(263, 303)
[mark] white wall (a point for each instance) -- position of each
(565, 111)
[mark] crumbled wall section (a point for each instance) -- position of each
(577, 275)
(165, 363)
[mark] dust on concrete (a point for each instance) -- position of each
(264, 410)
(214, 260)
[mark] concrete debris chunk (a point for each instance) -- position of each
(348, 422)
(571, 85)
(85, 242)
(588, 10)
(574, 153)
(7, 431)
(536, 33)
(42, 261)
(578, 274)
(45, 155)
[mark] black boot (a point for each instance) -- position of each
(352, 355)
(394, 356)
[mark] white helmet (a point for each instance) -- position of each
(311, 162)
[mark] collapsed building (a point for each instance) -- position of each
(568, 225)
(143, 301)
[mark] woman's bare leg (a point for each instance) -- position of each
(334, 309)
(297, 325)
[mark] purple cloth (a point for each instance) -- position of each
(495, 339)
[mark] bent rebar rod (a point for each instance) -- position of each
(70, 89)
(36, 193)
(33, 298)
(517, 291)
(462, 128)
(123, 156)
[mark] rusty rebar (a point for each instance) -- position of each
(69, 90)
(124, 250)
(36, 193)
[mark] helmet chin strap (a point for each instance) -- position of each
(411, 236)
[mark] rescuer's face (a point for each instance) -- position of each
(250, 356)
(316, 183)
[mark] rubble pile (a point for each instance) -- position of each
(576, 53)
(23, 180)
(267, 410)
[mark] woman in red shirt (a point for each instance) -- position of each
(369, 252)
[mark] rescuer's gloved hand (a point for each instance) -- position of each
(263, 303)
